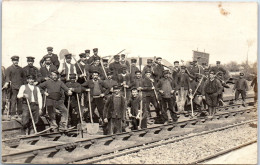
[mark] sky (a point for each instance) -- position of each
(170, 30)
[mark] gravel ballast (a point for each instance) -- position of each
(190, 149)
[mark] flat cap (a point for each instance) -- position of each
(68, 56)
(217, 62)
(195, 61)
(148, 71)
(116, 56)
(46, 57)
(31, 76)
(149, 60)
(82, 55)
(211, 72)
(95, 49)
(176, 62)
(105, 60)
(15, 58)
(95, 71)
(166, 72)
(87, 51)
(133, 60)
(30, 59)
(49, 48)
(183, 67)
(138, 71)
(157, 58)
(56, 72)
(122, 55)
(96, 58)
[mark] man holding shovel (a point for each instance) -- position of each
(32, 104)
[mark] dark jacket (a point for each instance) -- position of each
(160, 86)
(110, 112)
(116, 68)
(183, 80)
(134, 104)
(158, 71)
(45, 73)
(241, 84)
(16, 76)
(212, 87)
(77, 90)
(108, 85)
(91, 68)
(136, 83)
(132, 73)
(150, 68)
(54, 60)
(90, 84)
(147, 87)
(31, 70)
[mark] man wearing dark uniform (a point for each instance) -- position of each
(176, 70)
(148, 67)
(241, 87)
(54, 100)
(133, 69)
(31, 93)
(54, 58)
(124, 62)
(124, 81)
(15, 76)
(212, 88)
(116, 67)
(73, 105)
(80, 67)
(45, 71)
(90, 69)
(87, 52)
(137, 82)
(92, 58)
(109, 83)
(158, 69)
(167, 87)
(149, 94)
(105, 64)
(115, 111)
(31, 70)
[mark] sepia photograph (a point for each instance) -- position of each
(120, 82)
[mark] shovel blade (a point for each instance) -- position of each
(92, 128)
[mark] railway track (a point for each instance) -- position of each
(57, 148)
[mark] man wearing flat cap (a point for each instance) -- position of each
(105, 64)
(80, 68)
(87, 52)
(91, 59)
(116, 67)
(176, 70)
(158, 69)
(67, 68)
(218, 69)
(54, 58)
(15, 77)
(241, 87)
(124, 62)
(109, 83)
(123, 80)
(90, 69)
(45, 71)
(31, 70)
(133, 69)
(148, 67)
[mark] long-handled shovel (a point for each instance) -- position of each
(92, 128)
(191, 104)
(141, 111)
(80, 116)
(34, 127)
(68, 111)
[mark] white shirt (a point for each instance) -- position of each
(21, 92)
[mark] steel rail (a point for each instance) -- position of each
(151, 145)
(92, 141)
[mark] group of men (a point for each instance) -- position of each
(119, 90)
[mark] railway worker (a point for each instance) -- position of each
(184, 87)
(158, 69)
(134, 110)
(115, 111)
(124, 80)
(148, 67)
(31, 70)
(167, 87)
(124, 62)
(212, 88)
(45, 71)
(31, 93)
(176, 70)
(54, 58)
(67, 68)
(95, 55)
(97, 88)
(109, 83)
(105, 64)
(73, 104)
(137, 81)
(241, 87)
(116, 67)
(15, 78)
(87, 52)
(219, 69)
(90, 69)
(54, 100)
(80, 68)
(133, 69)
(254, 84)
(149, 96)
